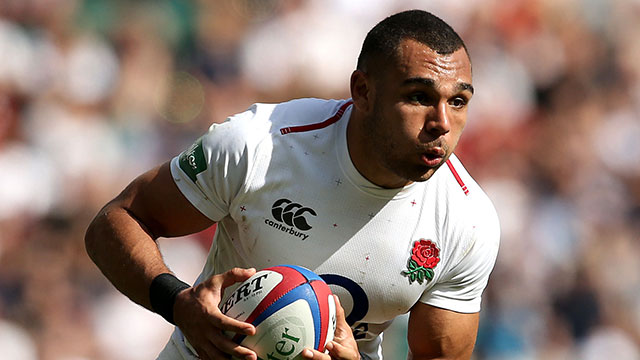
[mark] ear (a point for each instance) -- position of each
(361, 90)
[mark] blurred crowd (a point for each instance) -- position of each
(94, 92)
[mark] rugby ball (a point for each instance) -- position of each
(291, 307)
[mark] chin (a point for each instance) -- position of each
(413, 172)
(424, 177)
(426, 174)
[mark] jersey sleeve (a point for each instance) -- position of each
(213, 170)
(461, 290)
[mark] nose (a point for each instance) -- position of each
(438, 122)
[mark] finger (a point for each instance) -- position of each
(339, 351)
(208, 352)
(226, 323)
(341, 321)
(227, 346)
(236, 275)
(337, 300)
(221, 347)
(314, 355)
(339, 310)
(228, 278)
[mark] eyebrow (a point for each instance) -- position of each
(462, 86)
(465, 86)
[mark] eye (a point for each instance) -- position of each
(421, 98)
(417, 97)
(458, 102)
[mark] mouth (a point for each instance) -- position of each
(433, 156)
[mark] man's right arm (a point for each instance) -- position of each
(121, 240)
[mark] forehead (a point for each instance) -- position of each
(416, 60)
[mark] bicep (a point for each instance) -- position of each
(155, 201)
(436, 333)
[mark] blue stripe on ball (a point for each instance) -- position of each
(308, 274)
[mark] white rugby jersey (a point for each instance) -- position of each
(279, 181)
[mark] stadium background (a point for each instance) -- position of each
(94, 92)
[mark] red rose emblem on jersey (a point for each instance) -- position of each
(425, 255)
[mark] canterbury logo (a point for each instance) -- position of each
(292, 214)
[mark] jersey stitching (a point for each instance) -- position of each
(457, 177)
(320, 125)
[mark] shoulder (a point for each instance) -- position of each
(265, 119)
(465, 190)
(301, 112)
(470, 238)
(471, 213)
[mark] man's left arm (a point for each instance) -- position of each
(444, 323)
(436, 333)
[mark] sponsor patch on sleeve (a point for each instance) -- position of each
(192, 160)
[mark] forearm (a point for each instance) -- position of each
(125, 252)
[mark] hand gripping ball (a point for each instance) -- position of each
(291, 307)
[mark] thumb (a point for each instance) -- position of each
(341, 321)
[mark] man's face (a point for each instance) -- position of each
(418, 113)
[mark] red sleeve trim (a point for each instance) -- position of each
(320, 125)
(457, 176)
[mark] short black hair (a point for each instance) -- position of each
(422, 26)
